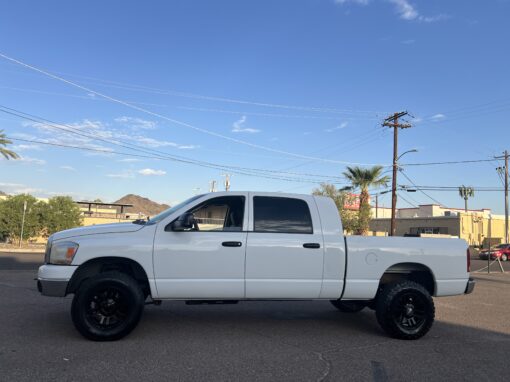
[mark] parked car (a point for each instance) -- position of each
(501, 251)
(225, 247)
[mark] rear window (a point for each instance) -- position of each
(281, 215)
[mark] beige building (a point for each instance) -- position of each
(474, 226)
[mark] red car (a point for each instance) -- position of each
(501, 251)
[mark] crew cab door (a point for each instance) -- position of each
(285, 254)
(206, 261)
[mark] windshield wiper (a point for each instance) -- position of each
(140, 221)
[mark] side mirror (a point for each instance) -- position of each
(183, 222)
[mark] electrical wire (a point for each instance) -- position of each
(118, 142)
(180, 123)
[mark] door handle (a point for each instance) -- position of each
(232, 244)
(312, 245)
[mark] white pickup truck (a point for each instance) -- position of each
(225, 247)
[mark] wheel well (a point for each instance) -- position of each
(418, 273)
(105, 264)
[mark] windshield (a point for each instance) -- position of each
(502, 246)
(156, 219)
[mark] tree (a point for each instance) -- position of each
(349, 220)
(7, 154)
(11, 215)
(466, 193)
(60, 213)
(363, 178)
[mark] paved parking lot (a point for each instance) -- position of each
(295, 341)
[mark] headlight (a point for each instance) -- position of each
(47, 251)
(63, 252)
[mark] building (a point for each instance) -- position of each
(474, 226)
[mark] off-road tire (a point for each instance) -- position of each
(99, 296)
(349, 306)
(397, 304)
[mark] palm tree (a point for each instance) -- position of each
(466, 193)
(363, 178)
(3, 144)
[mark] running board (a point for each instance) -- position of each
(211, 302)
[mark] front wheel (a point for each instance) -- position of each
(405, 310)
(504, 257)
(107, 307)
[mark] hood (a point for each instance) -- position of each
(97, 229)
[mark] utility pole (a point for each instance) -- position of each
(23, 222)
(212, 186)
(227, 181)
(505, 157)
(376, 206)
(392, 122)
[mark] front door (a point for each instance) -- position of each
(285, 253)
(206, 261)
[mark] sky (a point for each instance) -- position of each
(281, 94)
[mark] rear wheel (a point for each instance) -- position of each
(349, 306)
(107, 307)
(504, 257)
(405, 310)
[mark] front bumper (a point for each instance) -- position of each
(53, 288)
(52, 280)
(470, 286)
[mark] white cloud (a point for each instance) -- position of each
(408, 42)
(136, 123)
(127, 174)
(128, 160)
(360, 2)
(343, 125)
(25, 147)
(437, 117)
(85, 130)
(30, 160)
(151, 172)
(16, 188)
(407, 11)
(237, 127)
(68, 168)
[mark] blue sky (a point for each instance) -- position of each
(294, 86)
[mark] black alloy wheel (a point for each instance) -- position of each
(405, 310)
(108, 306)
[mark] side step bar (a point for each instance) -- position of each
(211, 302)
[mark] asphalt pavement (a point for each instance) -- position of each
(255, 341)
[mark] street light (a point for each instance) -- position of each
(393, 226)
(406, 152)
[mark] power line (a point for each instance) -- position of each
(423, 192)
(72, 130)
(180, 123)
(112, 152)
(146, 89)
(405, 200)
(446, 162)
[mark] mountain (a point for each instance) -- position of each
(141, 204)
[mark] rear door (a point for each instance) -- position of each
(284, 254)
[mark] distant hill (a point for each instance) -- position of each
(143, 205)
(2, 193)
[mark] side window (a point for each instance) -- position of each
(282, 215)
(220, 214)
